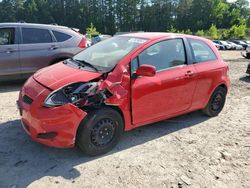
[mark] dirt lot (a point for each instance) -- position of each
(188, 151)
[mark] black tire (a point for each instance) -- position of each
(100, 131)
(216, 102)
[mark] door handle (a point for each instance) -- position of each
(189, 74)
(8, 51)
(53, 47)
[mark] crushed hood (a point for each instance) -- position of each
(58, 75)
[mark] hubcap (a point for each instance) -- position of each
(103, 132)
(217, 102)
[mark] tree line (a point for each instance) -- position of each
(111, 16)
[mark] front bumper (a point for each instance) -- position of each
(56, 127)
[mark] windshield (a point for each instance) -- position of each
(106, 54)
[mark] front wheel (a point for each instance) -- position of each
(100, 131)
(216, 102)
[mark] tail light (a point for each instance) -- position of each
(83, 43)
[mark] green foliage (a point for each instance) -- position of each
(241, 31)
(220, 12)
(110, 16)
(91, 30)
(248, 20)
(237, 32)
(181, 32)
(225, 34)
(248, 34)
(172, 30)
(200, 17)
(213, 32)
(232, 31)
(188, 32)
(200, 33)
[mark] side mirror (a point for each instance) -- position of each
(146, 70)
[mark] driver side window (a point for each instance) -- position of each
(165, 54)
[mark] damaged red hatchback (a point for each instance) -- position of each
(120, 84)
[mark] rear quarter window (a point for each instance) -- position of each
(201, 51)
(61, 37)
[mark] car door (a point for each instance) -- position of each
(171, 90)
(9, 52)
(36, 50)
(208, 71)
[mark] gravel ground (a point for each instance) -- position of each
(187, 151)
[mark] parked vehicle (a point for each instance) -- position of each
(247, 42)
(235, 46)
(25, 48)
(88, 42)
(88, 38)
(95, 39)
(219, 46)
(104, 37)
(240, 42)
(99, 38)
(223, 43)
(248, 69)
(247, 53)
(248, 56)
(120, 84)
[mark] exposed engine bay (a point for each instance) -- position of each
(79, 94)
(91, 94)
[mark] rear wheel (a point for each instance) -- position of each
(216, 102)
(100, 131)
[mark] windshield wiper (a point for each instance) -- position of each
(82, 62)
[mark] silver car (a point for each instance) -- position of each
(25, 48)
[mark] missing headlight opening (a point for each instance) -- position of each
(79, 94)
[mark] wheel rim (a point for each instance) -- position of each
(103, 132)
(217, 102)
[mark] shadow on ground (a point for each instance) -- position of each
(242, 59)
(245, 79)
(32, 161)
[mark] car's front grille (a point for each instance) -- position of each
(27, 99)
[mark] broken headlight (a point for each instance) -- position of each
(76, 93)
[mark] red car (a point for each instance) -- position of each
(120, 84)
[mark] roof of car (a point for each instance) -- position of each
(31, 24)
(155, 35)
